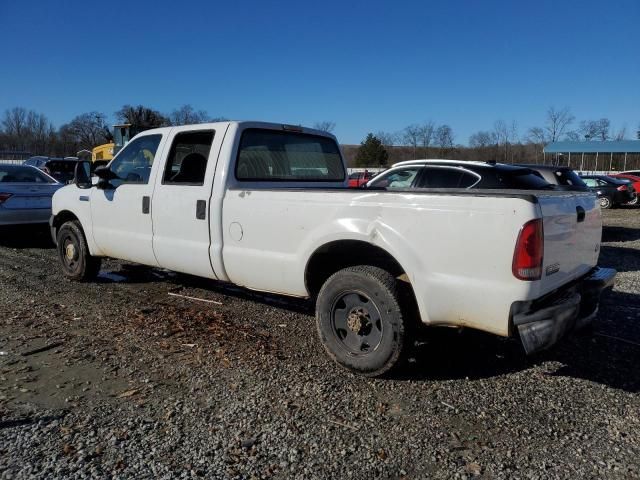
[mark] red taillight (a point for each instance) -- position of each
(622, 188)
(527, 258)
(4, 197)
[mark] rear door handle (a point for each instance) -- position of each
(201, 209)
(581, 214)
(146, 204)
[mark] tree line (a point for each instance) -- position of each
(502, 143)
(24, 132)
(27, 132)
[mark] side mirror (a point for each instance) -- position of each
(105, 175)
(82, 174)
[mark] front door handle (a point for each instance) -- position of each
(581, 214)
(201, 209)
(146, 204)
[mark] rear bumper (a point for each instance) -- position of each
(541, 323)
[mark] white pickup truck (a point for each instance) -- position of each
(265, 206)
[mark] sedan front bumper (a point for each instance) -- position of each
(541, 323)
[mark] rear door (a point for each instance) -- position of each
(181, 201)
(572, 232)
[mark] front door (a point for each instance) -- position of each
(181, 201)
(121, 216)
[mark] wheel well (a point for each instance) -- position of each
(60, 219)
(335, 256)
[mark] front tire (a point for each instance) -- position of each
(360, 321)
(77, 263)
(605, 203)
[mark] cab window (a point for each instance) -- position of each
(187, 162)
(275, 156)
(133, 163)
(590, 182)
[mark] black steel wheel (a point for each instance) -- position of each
(77, 263)
(360, 320)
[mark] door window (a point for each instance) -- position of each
(590, 182)
(446, 177)
(133, 163)
(187, 162)
(398, 179)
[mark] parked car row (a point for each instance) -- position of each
(612, 190)
(25, 194)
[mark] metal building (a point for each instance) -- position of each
(608, 156)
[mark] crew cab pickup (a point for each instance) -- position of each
(266, 206)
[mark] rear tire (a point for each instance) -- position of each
(77, 263)
(605, 203)
(633, 202)
(360, 321)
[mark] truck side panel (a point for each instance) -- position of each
(456, 250)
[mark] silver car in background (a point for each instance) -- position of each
(25, 195)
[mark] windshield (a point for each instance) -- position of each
(13, 174)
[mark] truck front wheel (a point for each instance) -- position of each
(360, 320)
(77, 262)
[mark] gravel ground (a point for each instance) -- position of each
(135, 382)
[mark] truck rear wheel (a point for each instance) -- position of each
(360, 321)
(77, 263)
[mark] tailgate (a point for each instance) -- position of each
(572, 232)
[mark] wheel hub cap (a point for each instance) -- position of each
(358, 320)
(70, 251)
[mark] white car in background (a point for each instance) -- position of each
(25, 195)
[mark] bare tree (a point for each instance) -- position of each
(557, 123)
(87, 130)
(427, 133)
(621, 134)
(481, 139)
(15, 121)
(325, 126)
(411, 136)
(141, 117)
(595, 129)
(388, 139)
(444, 136)
(187, 115)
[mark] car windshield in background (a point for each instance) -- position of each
(569, 177)
(271, 155)
(11, 174)
(61, 170)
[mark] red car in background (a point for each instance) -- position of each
(356, 179)
(635, 180)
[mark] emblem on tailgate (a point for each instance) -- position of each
(551, 269)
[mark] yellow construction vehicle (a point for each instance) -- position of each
(105, 152)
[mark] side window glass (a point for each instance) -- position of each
(590, 182)
(399, 179)
(468, 180)
(133, 163)
(187, 161)
(443, 177)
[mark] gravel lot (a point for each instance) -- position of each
(140, 383)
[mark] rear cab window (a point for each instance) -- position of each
(283, 156)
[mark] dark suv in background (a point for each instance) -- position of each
(563, 177)
(458, 174)
(611, 191)
(62, 169)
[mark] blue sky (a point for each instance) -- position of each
(367, 66)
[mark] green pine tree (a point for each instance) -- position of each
(372, 153)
